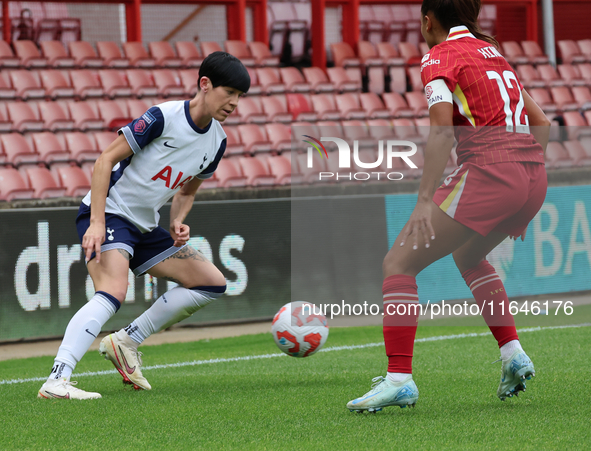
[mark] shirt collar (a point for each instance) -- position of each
(458, 32)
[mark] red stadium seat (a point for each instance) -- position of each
(111, 54)
(585, 70)
(380, 129)
(410, 53)
(300, 129)
(255, 87)
(24, 117)
(310, 175)
(189, 53)
(557, 156)
(27, 86)
(56, 84)
(262, 54)
(254, 138)
(81, 146)
(564, 99)
(5, 123)
(582, 96)
(189, 79)
(339, 77)
(49, 148)
(112, 114)
(373, 106)
(275, 107)
(349, 106)
(414, 75)
(270, 80)
(229, 175)
(325, 106)
(530, 77)
(13, 186)
(137, 55)
(136, 107)
(7, 57)
(210, 47)
(250, 110)
(54, 116)
(84, 117)
(29, 54)
(534, 52)
(56, 54)
(569, 52)
(279, 135)
(542, 98)
(513, 53)
(241, 51)
(255, 172)
(280, 167)
(164, 54)
(585, 48)
(114, 84)
(86, 84)
(294, 80)
(397, 79)
(571, 75)
(168, 83)
(369, 55)
(300, 107)
(577, 153)
(41, 180)
(17, 149)
(84, 54)
(234, 145)
(329, 128)
(73, 179)
(550, 75)
(343, 55)
(388, 53)
(141, 83)
(405, 128)
(356, 130)
(7, 92)
(397, 105)
(104, 139)
(318, 80)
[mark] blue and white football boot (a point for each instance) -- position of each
(385, 393)
(514, 372)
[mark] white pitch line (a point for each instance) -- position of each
(272, 356)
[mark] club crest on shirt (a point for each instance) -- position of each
(428, 91)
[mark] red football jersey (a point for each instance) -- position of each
(490, 119)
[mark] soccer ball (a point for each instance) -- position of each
(297, 331)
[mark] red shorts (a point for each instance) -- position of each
(500, 197)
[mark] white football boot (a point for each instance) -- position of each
(123, 353)
(64, 389)
(385, 393)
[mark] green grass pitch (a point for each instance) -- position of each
(284, 403)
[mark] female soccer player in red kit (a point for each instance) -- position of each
(499, 186)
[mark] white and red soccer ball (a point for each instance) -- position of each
(297, 331)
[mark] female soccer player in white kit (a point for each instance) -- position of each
(165, 153)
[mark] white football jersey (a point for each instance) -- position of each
(168, 151)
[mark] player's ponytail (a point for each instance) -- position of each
(451, 13)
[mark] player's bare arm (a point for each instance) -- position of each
(181, 205)
(539, 123)
(437, 151)
(117, 151)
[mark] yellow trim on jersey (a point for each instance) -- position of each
(462, 104)
(450, 198)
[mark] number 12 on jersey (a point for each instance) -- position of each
(504, 82)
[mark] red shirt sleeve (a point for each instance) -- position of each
(442, 64)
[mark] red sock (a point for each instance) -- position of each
(401, 312)
(486, 286)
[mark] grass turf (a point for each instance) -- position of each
(287, 403)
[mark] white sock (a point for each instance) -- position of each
(397, 377)
(170, 308)
(82, 329)
(509, 348)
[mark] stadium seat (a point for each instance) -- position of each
(343, 55)
(388, 53)
(339, 77)
(104, 139)
(356, 130)
(534, 52)
(397, 105)
(111, 54)
(255, 171)
(17, 149)
(81, 146)
(73, 179)
(349, 106)
(316, 77)
(112, 114)
(234, 145)
(5, 123)
(54, 116)
(397, 79)
(24, 117)
(279, 135)
(250, 110)
(13, 186)
(7, 57)
(380, 129)
(275, 108)
(585, 70)
(300, 107)
(542, 97)
(29, 54)
(309, 175)
(255, 87)
(254, 138)
(27, 86)
(370, 29)
(587, 115)
(557, 156)
(414, 76)
(582, 96)
(571, 75)
(405, 128)
(585, 48)
(210, 47)
(137, 55)
(329, 128)
(423, 48)
(262, 54)
(410, 53)
(569, 52)
(513, 53)
(164, 55)
(114, 84)
(84, 54)
(575, 124)
(294, 80)
(373, 106)
(229, 175)
(550, 75)
(86, 84)
(42, 182)
(577, 153)
(56, 84)
(189, 79)
(585, 142)
(530, 77)
(270, 80)
(56, 54)
(241, 51)
(84, 117)
(189, 54)
(168, 83)
(563, 99)
(280, 167)
(300, 130)
(325, 106)
(7, 92)
(369, 55)
(49, 148)
(418, 103)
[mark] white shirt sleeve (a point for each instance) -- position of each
(437, 92)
